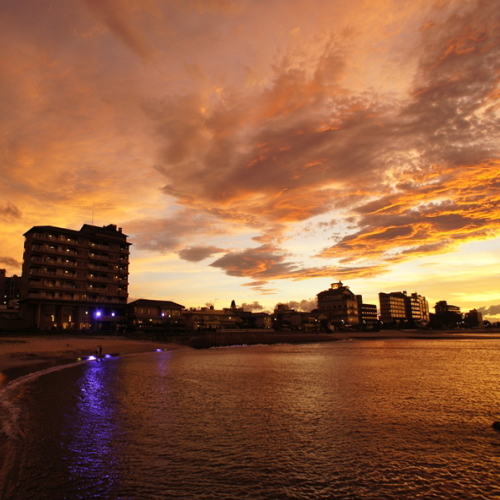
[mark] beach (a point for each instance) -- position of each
(21, 354)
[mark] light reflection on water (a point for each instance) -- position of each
(90, 431)
(360, 420)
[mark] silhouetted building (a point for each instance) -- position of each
(290, 320)
(368, 315)
(474, 319)
(10, 290)
(443, 307)
(446, 316)
(75, 279)
(208, 318)
(339, 304)
(146, 314)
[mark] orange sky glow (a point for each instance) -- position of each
(260, 150)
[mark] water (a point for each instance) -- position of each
(395, 419)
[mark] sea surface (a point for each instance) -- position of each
(376, 419)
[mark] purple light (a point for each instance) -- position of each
(113, 314)
(91, 358)
(98, 314)
(107, 356)
(159, 350)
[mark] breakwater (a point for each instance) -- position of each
(225, 338)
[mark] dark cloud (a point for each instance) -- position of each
(196, 254)
(269, 262)
(170, 233)
(490, 310)
(10, 262)
(302, 305)
(254, 306)
(9, 212)
(265, 261)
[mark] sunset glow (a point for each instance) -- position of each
(259, 151)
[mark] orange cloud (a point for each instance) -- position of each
(252, 139)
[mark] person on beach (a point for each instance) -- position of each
(98, 353)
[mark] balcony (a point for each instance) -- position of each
(99, 256)
(99, 246)
(103, 267)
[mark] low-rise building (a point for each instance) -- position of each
(208, 318)
(146, 314)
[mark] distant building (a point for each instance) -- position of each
(145, 314)
(418, 309)
(392, 307)
(10, 290)
(399, 308)
(75, 279)
(474, 319)
(208, 318)
(340, 305)
(446, 315)
(443, 307)
(368, 315)
(251, 320)
(290, 320)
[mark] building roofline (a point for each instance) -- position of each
(153, 301)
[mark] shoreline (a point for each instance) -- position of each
(21, 354)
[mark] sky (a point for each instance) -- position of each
(260, 150)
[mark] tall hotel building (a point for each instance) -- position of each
(75, 279)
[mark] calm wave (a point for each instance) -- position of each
(395, 419)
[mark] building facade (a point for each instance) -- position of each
(146, 314)
(368, 314)
(339, 304)
(75, 279)
(399, 307)
(392, 307)
(208, 318)
(418, 309)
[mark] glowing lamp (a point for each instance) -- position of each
(98, 314)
